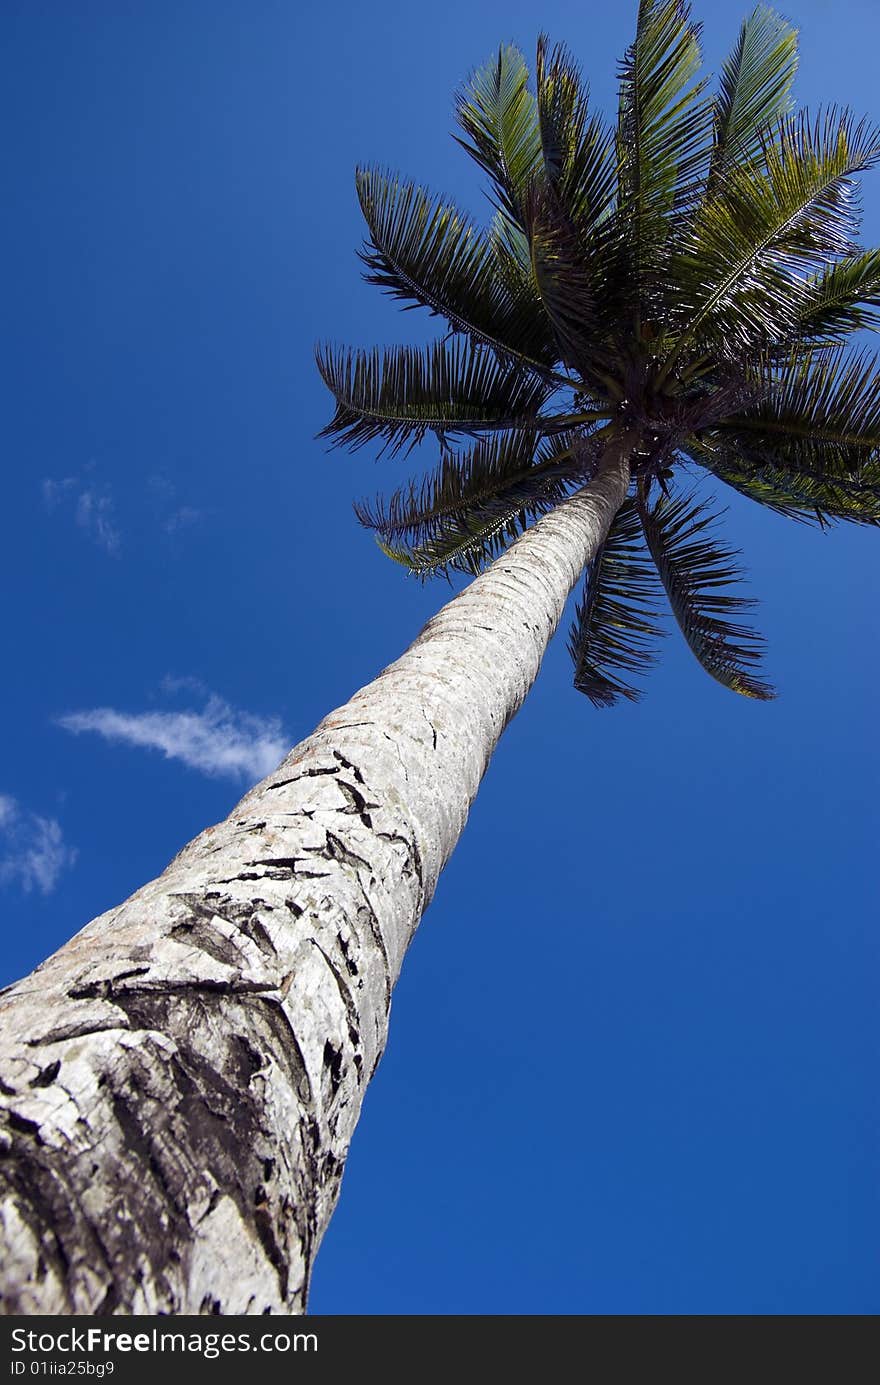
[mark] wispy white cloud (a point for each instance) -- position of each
(56, 491)
(184, 518)
(184, 683)
(92, 505)
(167, 508)
(95, 514)
(93, 508)
(219, 740)
(33, 852)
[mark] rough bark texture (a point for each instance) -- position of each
(179, 1083)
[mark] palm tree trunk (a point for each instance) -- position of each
(179, 1083)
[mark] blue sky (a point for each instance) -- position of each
(633, 1053)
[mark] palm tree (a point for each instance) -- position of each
(669, 296)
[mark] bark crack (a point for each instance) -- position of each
(359, 804)
(348, 764)
(46, 1076)
(394, 742)
(336, 850)
(350, 1007)
(303, 774)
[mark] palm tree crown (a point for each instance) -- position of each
(685, 279)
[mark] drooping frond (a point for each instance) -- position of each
(499, 117)
(754, 88)
(843, 298)
(694, 570)
(462, 481)
(615, 626)
(473, 505)
(810, 495)
(400, 394)
(816, 405)
(810, 446)
(663, 137)
(741, 275)
(423, 250)
(580, 158)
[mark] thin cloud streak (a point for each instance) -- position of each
(34, 852)
(94, 514)
(93, 509)
(219, 741)
(184, 518)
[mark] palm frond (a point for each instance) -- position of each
(465, 512)
(561, 272)
(400, 394)
(499, 117)
(810, 447)
(813, 406)
(664, 135)
(511, 246)
(754, 89)
(423, 250)
(463, 481)
(721, 461)
(843, 298)
(809, 495)
(740, 276)
(580, 158)
(578, 252)
(694, 569)
(615, 627)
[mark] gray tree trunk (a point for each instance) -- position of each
(180, 1082)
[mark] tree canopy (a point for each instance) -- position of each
(686, 277)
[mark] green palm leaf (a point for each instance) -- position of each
(843, 298)
(664, 137)
(694, 569)
(813, 408)
(466, 511)
(740, 275)
(463, 481)
(400, 394)
(580, 158)
(499, 117)
(511, 246)
(615, 628)
(561, 272)
(812, 495)
(810, 447)
(577, 252)
(754, 89)
(423, 250)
